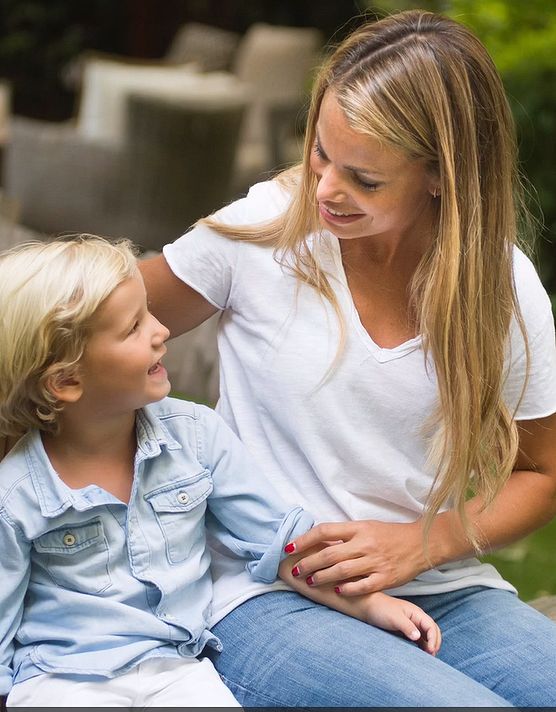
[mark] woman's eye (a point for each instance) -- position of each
(365, 184)
(319, 152)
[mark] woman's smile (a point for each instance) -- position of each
(338, 217)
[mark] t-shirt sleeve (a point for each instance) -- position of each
(538, 398)
(207, 261)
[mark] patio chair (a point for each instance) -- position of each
(168, 162)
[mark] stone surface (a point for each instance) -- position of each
(546, 605)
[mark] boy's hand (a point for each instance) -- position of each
(396, 614)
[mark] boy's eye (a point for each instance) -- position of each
(134, 327)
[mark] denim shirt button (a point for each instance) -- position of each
(69, 539)
(183, 497)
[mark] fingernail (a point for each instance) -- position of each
(337, 589)
(296, 571)
(309, 580)
(289, 548)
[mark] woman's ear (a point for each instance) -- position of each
(64, 384)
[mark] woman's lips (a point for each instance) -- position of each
(337, 217)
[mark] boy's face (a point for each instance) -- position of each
(120, 369)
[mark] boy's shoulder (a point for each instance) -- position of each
(14, 465)
(17, 487)
(196, 428)
(178, 415)
(169, 407)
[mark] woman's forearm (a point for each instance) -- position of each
(527, 502)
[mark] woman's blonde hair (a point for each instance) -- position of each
(49, 291)
(425, 85)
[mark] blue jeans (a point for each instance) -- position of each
(283, 650)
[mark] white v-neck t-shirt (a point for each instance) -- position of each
(345, 443)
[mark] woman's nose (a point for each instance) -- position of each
(330, 185)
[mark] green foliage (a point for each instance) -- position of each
(530, 564)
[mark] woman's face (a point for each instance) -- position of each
(366, 188)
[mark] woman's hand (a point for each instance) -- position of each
(360, 557)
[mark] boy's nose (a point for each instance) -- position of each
(160, 333)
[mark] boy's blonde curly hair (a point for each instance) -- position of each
(49, 291)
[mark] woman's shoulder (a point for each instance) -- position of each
(528, 283)
(264, 201)
(532, 297)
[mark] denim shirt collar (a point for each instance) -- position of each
(151, 435)
(54, 495)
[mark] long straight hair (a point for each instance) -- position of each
(425, 85)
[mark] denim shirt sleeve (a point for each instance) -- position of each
(246, 514)
(15, 570)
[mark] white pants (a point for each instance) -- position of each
(159, 682)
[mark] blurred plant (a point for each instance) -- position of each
(529, 563)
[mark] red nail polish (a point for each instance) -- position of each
(289, 548)
(296, 571)
(337, 589)
(309, 580)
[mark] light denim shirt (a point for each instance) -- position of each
(90, 585)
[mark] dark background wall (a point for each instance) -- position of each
(39, 37)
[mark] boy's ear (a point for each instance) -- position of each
(63, 384)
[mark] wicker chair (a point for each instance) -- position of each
(173, 166)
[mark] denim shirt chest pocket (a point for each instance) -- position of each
(74, 557)
(179, 508)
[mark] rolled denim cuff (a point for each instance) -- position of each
(296, 522)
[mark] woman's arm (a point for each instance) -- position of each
(386, 555)
(174, 303)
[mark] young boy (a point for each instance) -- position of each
(106, 588)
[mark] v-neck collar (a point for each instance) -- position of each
(380, 353)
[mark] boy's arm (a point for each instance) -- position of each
(378, 609)
(246, 514)
(15, 566)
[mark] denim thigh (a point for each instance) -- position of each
(283, 650)
(493, 637)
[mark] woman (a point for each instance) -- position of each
(386, 350)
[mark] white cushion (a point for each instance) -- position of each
(108, 83)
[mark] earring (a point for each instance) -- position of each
(435, 192)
